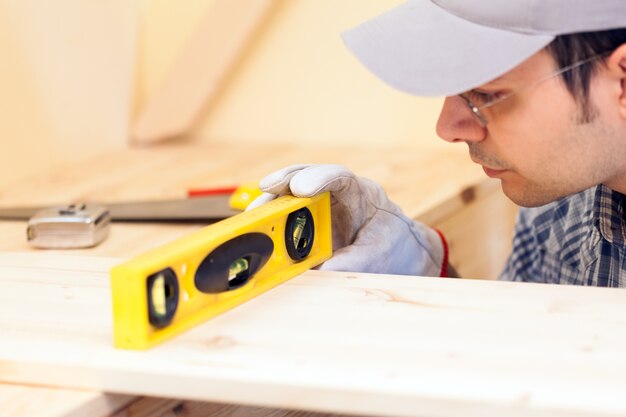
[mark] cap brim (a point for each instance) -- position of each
(421, 49)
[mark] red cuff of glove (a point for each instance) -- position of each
(444, 266)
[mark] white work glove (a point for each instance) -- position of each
(370, 233)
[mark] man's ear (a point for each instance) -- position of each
(617, 67)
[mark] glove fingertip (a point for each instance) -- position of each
(317, 179)
(260, 200)
(278, 182)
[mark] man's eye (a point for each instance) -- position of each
(480, 98)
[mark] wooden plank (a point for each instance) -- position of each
(30, 401)
(33, 401)
(332, 342)
(196, 77)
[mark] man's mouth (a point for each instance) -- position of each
(489, 170)
(492, 172)
(491, 165)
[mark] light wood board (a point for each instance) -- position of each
(31, 401)
(336, 342)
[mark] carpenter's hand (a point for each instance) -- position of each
(370, 233)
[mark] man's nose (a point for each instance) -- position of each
(457, 123)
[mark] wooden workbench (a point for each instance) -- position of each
(439, 187)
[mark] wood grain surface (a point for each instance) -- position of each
(332, 342)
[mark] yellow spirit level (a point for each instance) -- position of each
(172, 288)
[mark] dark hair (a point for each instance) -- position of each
(569, 49)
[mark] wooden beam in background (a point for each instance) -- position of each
(199, 73)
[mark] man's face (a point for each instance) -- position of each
(536, 141)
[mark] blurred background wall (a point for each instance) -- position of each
(65, 80)
(75, 74)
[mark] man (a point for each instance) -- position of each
(537, 90)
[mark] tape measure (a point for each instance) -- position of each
(172, 288)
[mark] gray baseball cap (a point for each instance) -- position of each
(445, 47)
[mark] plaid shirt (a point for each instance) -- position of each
(580, 239)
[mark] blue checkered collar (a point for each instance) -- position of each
(608, 211)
